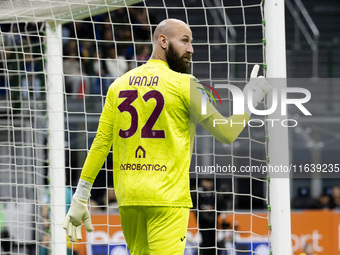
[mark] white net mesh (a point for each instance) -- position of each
(102, 40)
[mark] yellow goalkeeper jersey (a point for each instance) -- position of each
(146, 119)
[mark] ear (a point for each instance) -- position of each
(163, 41)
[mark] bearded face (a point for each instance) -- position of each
(177, 62)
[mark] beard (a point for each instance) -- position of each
(176, 62)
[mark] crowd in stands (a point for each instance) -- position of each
(96, 51)
(328, 199)
(94, 56)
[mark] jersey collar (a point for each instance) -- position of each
(158, 62)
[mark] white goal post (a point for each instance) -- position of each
(24, 156)
(55, 109)
(278, 149)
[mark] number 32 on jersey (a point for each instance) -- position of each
(126, 106)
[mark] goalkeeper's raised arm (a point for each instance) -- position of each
(258, 87)
(149, 118)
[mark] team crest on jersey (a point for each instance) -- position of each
(140, 152)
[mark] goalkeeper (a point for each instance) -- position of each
(149, 118)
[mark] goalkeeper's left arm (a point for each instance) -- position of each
(259, 87)
(100, 148)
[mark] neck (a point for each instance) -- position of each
(157, 55)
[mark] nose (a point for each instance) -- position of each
(190, 49)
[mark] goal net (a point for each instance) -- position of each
(57, 60)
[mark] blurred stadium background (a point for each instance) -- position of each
(313, 55)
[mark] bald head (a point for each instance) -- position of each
(168, 27)
(172, 44)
